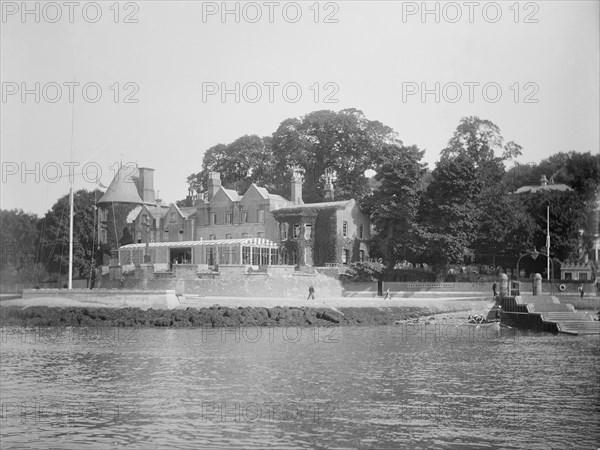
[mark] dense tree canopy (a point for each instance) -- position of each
(54, 233)
(463, 211)
(345, 143)
(19, 239)
(394, 203)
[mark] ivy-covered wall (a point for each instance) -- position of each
(326, 242)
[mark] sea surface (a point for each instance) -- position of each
(403, 386)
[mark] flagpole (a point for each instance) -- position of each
(548, 242)
(71, 177)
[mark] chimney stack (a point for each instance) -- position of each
(296, 186)
(328, 192)
(147, 184)
(158, 217)
(543, 181)
(214, 184)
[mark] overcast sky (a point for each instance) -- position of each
(153, 80)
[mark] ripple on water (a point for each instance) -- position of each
(371, 389)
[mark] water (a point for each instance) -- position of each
(375, 387)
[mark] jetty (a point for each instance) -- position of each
(547, 313)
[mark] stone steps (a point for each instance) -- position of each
(581, 327)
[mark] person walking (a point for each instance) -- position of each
(311, 293)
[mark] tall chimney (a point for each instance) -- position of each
(147, 184)
(296, 186)
(328, 191)
(157, 237)
(214, 183)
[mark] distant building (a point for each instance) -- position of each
(586, 268)
(543, 186)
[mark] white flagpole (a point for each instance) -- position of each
(71, 177)
(548, 242)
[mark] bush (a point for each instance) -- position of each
(365, 271)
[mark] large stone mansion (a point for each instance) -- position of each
(223, 226)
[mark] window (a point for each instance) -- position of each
(567, 275)
(362, 256)
(172, 216)
(582, 276)
(228, 218)
(181, 235)
(283, 229)
(212, 237)
(360, 232)
(213, 218)
(345, 256)
(138, 237)
(166, 235)
(228, 236)
(261, 215)
(296, 230)
(244, 216)
(307, 231)
(345, 228)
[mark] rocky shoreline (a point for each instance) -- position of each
(214, 316)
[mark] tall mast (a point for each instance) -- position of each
(71, 178)
(548, 241)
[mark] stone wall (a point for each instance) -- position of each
(157, 299)
(237, 281)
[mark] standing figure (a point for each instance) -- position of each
(580, 289)
(494, 289)
(311, 292)
(387, 295)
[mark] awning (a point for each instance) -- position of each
(246, 242)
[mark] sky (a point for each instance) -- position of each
(89, 85)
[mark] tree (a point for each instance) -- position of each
(54, 229)
(247, 160)
(504, 228)
(448, 214)
(568, 217)
(344, 142)
(394, 203)
(452, 206)
(19, 238)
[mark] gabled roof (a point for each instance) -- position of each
(230, 193)
(184, 211)
(152, 209)
(324, 205)
(262, 191)
(548, 187)
(278, 197)
(187, 211)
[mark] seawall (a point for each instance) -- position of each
(215, 316)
